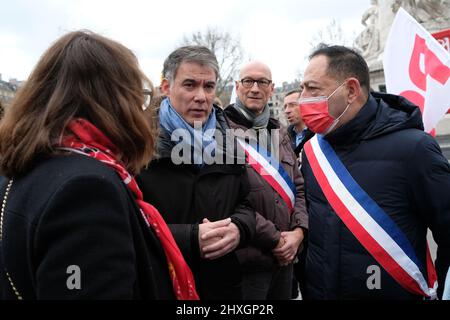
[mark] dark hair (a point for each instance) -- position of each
(293, 92)
(343, 63)
(1, 110)
(81, 75)
(196, 54)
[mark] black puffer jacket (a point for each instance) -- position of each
(185, 194)
(403, 170)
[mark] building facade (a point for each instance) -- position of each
(8, 90)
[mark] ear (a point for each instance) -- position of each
(272, 88)
(165, 87)
(354, 89)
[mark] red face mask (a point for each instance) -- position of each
(315, 113)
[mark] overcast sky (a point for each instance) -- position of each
(277, 32)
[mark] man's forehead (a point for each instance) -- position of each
(197, 78)
(292, 98)
(316, 69)
(257, 70)
(196, 72)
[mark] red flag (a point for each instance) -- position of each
(417, 67)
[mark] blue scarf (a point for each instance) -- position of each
(171, 120)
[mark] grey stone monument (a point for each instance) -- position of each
(433, 15)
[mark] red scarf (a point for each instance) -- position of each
(85, 138)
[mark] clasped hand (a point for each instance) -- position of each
(286, 250)
(217, 238)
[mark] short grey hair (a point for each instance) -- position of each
(195, 54)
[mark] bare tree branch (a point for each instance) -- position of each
(330, 34)
(227, 49)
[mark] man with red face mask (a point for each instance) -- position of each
(374, 183)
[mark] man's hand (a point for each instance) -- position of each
(287, 247)
(207, 226)
(220, 240)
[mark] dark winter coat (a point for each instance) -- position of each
(72, 215)
(185, 194)
(403, 170)
(292, 135)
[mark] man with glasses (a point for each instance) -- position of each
(276, 188)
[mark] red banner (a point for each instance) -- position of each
(417, 67)
(443, 37)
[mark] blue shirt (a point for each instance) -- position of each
(300, 136)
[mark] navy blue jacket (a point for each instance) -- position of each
(400, 167)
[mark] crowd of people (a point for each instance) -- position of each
(112, 189)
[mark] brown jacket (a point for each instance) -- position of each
(273, 215)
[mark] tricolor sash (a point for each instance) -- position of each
(373, 228)
(271, 171)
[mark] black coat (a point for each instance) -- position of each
(292, 135)
(403, 170)
(185, 194)
(75, 211)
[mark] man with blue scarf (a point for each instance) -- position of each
(203, 200)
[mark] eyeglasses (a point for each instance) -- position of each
(262, 83)
(147, 98)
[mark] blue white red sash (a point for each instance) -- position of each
(271, 171)
(373, 228)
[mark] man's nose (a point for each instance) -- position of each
(304, 94)
(255, 87)
(200, 95)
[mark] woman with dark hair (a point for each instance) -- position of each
(73, 223)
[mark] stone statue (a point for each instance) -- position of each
(369, 40)
(433, 15)
(430, 13)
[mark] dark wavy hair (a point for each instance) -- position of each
(81, 75)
